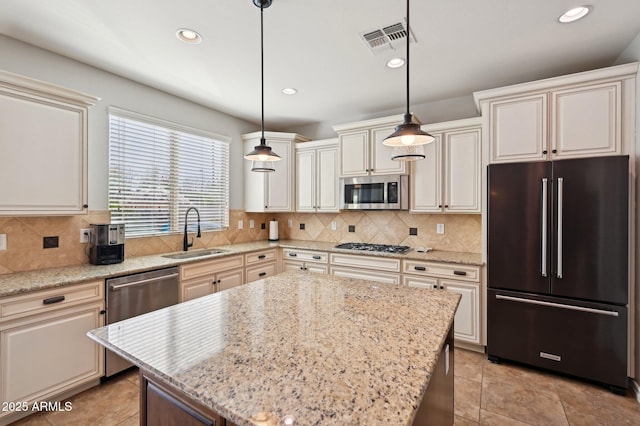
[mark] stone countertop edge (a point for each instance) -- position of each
(43, 279)
(306, 345)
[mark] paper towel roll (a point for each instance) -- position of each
(273, 230)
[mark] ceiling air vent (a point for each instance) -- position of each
(390, 37)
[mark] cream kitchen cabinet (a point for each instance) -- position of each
(374, 268)
(43, 148)
(461, 279)
(273, 191)
(362, 152)
(45, 353)
(448, 179)
(208, 276)
(305, 260)
(317, 177)
(260, 264)
(580, 115)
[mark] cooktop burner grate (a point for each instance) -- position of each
(386, 248)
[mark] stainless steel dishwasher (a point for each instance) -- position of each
(131, 295)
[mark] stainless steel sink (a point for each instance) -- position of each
(192, 254)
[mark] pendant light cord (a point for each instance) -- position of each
(408, 36)
(262, 140)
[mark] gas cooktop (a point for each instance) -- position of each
(385, 248)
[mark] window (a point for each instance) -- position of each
(158, 169)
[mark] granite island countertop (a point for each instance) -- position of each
(42, 279)
(320, 349)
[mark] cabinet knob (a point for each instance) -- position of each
(439, 206)
(553, 151)
(218, 282)
(85, 206)
(544, 152)
(441, 287)
(435, 286)
(446, 206)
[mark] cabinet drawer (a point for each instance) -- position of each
(199, 269)
(50, 300)
(363, 274)
(369, 262)
(305, 255)
(261, 271)
(442, 270)
(260, 256)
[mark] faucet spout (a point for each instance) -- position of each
(185, 241)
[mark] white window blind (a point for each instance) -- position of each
(158, 169)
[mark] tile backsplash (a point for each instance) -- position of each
(25, 234)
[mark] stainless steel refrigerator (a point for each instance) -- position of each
(557, 266)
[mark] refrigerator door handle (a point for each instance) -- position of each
(560, 185)
(557, 305)
(544, 226)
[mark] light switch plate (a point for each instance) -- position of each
(440, 228)
(334, 225)
(290, 223)
(3, 241)
(240, 224)
(251, 223)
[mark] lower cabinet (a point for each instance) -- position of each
(374, 268)
(305, 260)
(45, 353)
(436, 276)
(206, 277)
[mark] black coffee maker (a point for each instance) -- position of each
(106, 244)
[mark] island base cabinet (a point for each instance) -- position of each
(437, 405)
(162, 406)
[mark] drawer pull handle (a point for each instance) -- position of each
(316, 257)
(52, 300)
(293, 254)
(262, 256)
(420, 268)
(459, 273)
(262, 274)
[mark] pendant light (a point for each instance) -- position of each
(408, 133)
(262, 156)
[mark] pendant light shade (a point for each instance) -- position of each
(262, 155)
(408, 133)
(408, 153)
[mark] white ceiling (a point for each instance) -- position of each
(314, 45)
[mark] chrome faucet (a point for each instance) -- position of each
(185, 241)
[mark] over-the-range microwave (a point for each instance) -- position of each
(375, 192)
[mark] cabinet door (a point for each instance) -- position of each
(44, 355)
(366, 274)
(197, 287)
(426, 179)
(280, 183)
(229, 279)
(316, 268)
(462, 171)
(518, 129)
(586, 121)
(327, 196)
(354, 153)
(422, 282)
(467, 319)
(306, 181)
(381, 162)
(292, 265)
(43, 157)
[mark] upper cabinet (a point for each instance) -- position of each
(43, 148)
(448, 179)
(580, 115)
(317, 176)
(271, 191)
(362, 152)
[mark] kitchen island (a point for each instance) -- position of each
(295, 348)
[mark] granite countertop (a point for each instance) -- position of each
(23, 282)
(319, 349)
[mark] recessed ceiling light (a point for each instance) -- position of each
(189, 36)
(574, 14)
(289, 91)
(395, 63)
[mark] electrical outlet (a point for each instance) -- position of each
(251, 223)
(240, 224)
(84, 235)
(440, 228)
(3, 241)
(334, 225)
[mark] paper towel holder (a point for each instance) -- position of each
(273, 230)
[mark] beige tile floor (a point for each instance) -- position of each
(485, 394)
